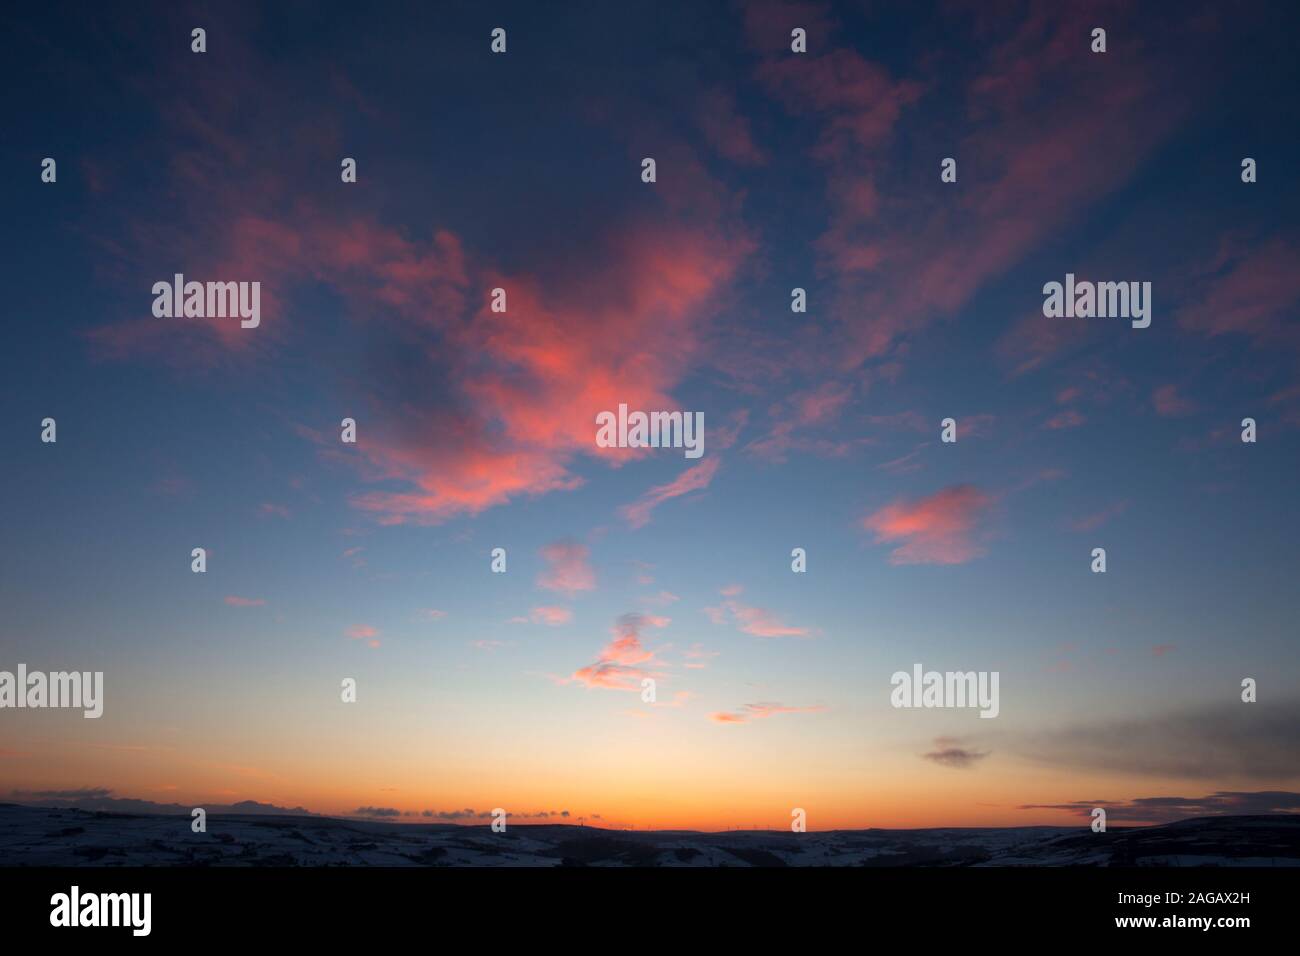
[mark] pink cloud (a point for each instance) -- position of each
(761, 622)
(698, 657)
(663, 597)
(905, 465)
(1251, 291)
(567, 568)
(757, 621)
(904, 261)
(1169, 403)
(822, 403)
(1099, 518)
(802, 411)
(234, 601)
(695, 478)
(626, 320)
(859, 100)
(551, 615)
(1040, 477)
(1068, 418)
(556, 362)
(361, 632)
(724, 436)
(725, 129)
(938, 529)
(1034, 341)
(620, 664)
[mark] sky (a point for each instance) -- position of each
(476, 429)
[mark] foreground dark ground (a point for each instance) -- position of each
(37, 836)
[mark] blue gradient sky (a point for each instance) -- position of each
(775, 171)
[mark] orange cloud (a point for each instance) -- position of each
(758, 711)
(937, 529)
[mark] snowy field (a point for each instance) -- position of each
(37, 836)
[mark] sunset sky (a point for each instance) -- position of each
(476, 430)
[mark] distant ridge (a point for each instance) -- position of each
(43, 836)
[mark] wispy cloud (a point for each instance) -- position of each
(1099, 518)
(751, 712)
(752, 620)
(1169, 402)
(551, 615)
(364, 632)
(698, 656)
(725, 129)
(1068, 418)
(695, 478)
